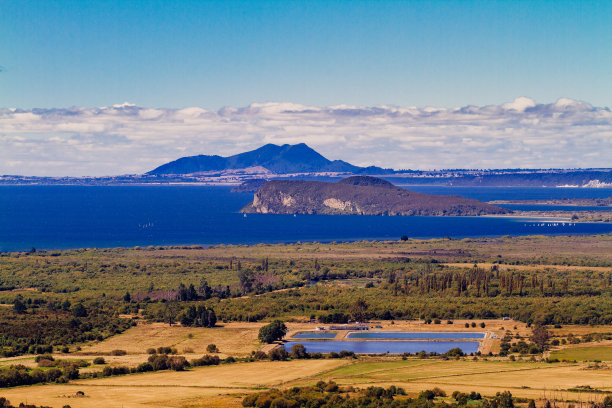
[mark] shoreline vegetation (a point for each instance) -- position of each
(582, 202)
(561, 216)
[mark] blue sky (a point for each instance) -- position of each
(212, 54)
(402, 84)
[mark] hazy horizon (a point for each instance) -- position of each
(128, 139)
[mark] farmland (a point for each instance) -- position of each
(227, 384)
(112, 323)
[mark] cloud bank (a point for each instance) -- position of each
(127, 139)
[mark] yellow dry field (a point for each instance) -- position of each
(225, 385)
(497, 326)
(578, 330)
(505, 267)
(196, 387)
(237, 339)
(529, 247)
(524, 379)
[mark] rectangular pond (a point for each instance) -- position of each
(314, 335)
(379, 347)
(416, 335)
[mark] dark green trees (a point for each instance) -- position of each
(19, 306)
(359, 310)
(199, 316)
(272, 332)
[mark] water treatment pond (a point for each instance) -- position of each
(379, 347)
(314, 335)
(416, 335)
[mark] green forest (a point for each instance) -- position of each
(58, 299)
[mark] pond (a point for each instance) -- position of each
(379, 347)
(314, 335)
(416, 335)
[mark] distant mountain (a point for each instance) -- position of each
(283, 159)
(359, 195)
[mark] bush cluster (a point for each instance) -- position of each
(330, 395)
(17, 375)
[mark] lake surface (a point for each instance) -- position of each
(378, 347)
(60, 217)
(415, 335)
(314, 335)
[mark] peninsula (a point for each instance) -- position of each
(359, 195)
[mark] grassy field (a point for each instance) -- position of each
(505, 267)
(224, 385)
(174, 389)
(596, 353)
(235, 338)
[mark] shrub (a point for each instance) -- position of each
(99, 360)
(177, 363)
(212, 348)
(427, 395)
(345, 353)
(118, 353)
(108, 371)
(331, 387)
(71, 372)
(461, 398)
(144, 367)
(48, 357)
(298, 351)
(439, 392)
(278, 354)
(159, 361)
(46, 363)
(205, 360)
(454, 352)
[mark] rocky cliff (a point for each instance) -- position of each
(359, 195)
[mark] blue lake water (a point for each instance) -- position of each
(314, 335)
(378, 347)
(59, 217)
(415, 335)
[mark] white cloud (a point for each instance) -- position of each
(520, 104)
(126, 138)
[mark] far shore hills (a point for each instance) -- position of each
(300, 162)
